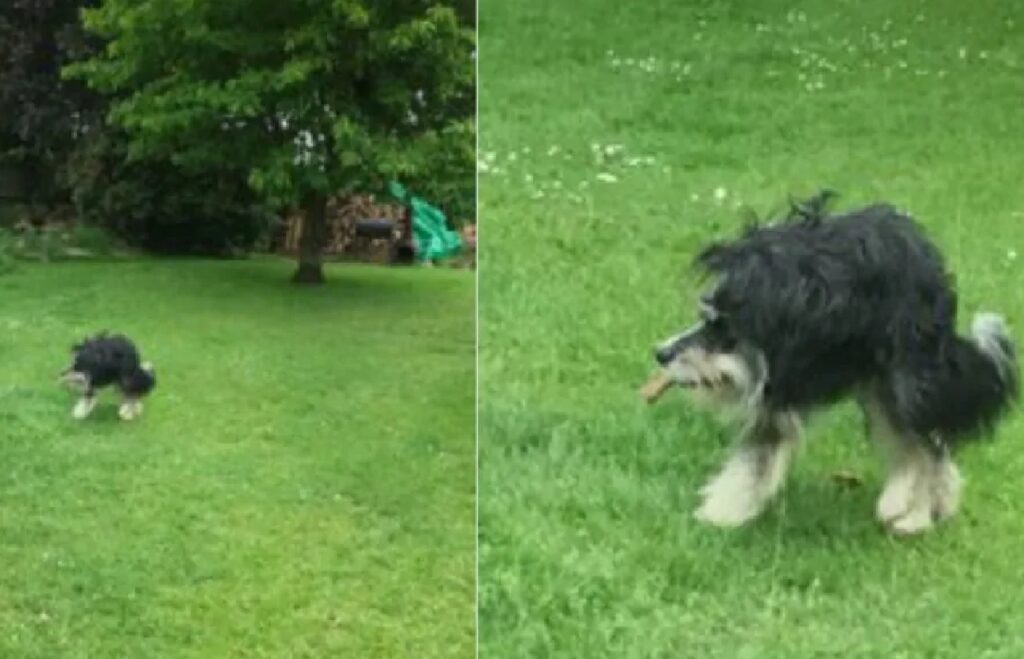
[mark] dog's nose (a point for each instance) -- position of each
(664, 355)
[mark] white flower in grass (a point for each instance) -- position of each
(1011, 254)
(607, 178)
(720, 194)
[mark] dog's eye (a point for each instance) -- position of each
(721, 334)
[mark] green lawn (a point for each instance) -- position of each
(616, 139)
(301, 483)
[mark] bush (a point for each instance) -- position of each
(157, 207)
(54, 242)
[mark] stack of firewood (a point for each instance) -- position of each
(342, 215)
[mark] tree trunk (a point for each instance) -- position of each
(312, 240)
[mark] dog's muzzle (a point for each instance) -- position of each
(666, 352)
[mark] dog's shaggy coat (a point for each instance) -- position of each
(818, 307)
(109, 360)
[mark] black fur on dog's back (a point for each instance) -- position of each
(860, 298)
(112, 359)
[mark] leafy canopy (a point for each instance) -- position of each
(313, 96)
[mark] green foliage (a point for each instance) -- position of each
(42, 115)
(445, 174)
(55, 243)
(155, 205)
(312, 96)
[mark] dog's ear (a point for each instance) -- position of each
(708, 310)
(813, 209)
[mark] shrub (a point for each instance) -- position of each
(155, 206)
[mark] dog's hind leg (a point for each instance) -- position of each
(754, 473)
(946, 486)
(918, 481)
(130, 409)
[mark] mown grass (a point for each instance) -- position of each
(617, 138)
(301, 483)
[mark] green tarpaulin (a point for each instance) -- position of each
(434, 240)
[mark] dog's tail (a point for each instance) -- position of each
(980, 380)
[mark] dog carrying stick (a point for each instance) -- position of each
(655, 386)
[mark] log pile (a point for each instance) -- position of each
(342, 215)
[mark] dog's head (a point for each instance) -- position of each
(139, 382)
(712, 360)
(76, 380)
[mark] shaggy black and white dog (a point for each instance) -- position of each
(818, 307)
(109, 360)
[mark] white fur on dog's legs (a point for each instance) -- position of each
(898, 493)
(946, 488)
(905, 505)
(732, 498)
(84, 407)
(130, 409)
(752, 476)
(921, 489)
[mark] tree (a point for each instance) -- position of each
(41, 115)
(314, 96)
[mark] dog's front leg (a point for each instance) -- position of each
(754, 473)
(85, 405)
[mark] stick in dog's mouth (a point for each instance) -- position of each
(655, 386)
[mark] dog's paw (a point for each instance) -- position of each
(83, 408)
(896, 499)
(129, 411)
(946, 491)
(728, 508)
(728, 517)
(915, 521)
